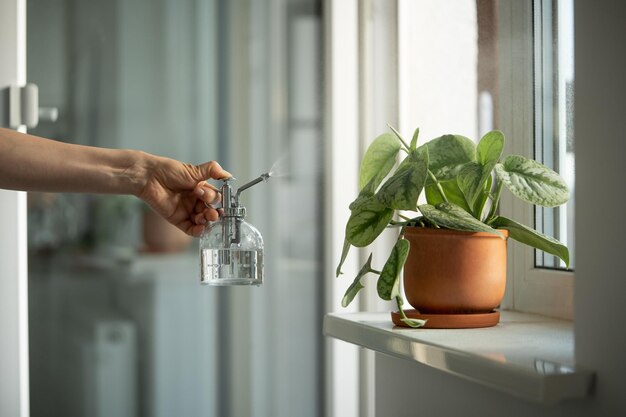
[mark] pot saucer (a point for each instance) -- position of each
(449, 321)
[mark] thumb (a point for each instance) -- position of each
(212, 170)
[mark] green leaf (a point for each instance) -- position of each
(360, 199)
(474, 181)
(378, 160)
(454, 217)
(470, 181)
(532, 182)
(344, 255)
(415, 323)
(401, 190)
(452, 191)
(356, 285)
(530, 237)
(368, 219)
(370, 188)
(388, 282)
(490, 147)
(414, 139)
(448, 153)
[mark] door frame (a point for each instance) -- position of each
(14, 378)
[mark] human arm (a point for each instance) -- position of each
(175, 190)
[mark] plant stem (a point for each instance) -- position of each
(393, 223)
(406, 145)
(405, 319)
(480, 204)
(495, 201)
(408, 220)
(432, 177)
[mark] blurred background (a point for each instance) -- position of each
(119, 324)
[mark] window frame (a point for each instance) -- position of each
(341, 133)
(530, 289)
(14, 360)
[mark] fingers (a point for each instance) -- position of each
(207, 193)
(195, 224)
(205, 215)
(203, 212)
(199, 219)
(208, 215)
(200, 206)
(213, 170)
(195, 231)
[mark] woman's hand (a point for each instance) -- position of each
(178, 192)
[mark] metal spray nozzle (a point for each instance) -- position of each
(260, 178)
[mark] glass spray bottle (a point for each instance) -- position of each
(231, 249)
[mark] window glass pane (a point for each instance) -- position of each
(554, 116)
(119, 324)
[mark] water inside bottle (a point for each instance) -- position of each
(233, 266)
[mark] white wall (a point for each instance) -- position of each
(438, 92)
(601, 203)
(409, 389)
(405, 389)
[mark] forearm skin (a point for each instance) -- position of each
(30, 163)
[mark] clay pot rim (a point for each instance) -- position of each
(415, 230)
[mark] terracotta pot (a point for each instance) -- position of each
(449, 272)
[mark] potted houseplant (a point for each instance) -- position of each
(455, 237)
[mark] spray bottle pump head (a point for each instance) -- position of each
(230, 202)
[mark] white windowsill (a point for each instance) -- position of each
(526, 355)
